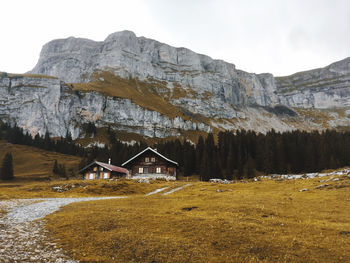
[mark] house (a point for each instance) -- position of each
(150, 163)
(99, 170)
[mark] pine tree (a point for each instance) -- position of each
(203, 169)
(47, 141)
(62, 171)
(55, 167)
(68, 136)
(6, 172)
(199, 153)
(249, 168)
(82, 163)
(230, 163)
(91, 128)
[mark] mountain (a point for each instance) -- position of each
(142, 86)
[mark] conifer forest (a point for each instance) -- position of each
(243, 154)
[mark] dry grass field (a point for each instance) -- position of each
(264, 221)
(75, 188)
(248, 221)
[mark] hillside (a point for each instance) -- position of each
(31, 163)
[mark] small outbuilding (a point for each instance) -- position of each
(99, 170)
(150, 163)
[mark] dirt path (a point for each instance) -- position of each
(176, 189)
(157, 191)
(168, 192)
(23, 238)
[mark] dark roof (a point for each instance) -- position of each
(108, 167)
(149, 148)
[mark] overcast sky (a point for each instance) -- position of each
(276, 36)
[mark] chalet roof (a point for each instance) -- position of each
(107, 166)
(153, 150)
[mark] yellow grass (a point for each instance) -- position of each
(31, 163)
(266, 221)
(152, 95)
(13, 75)
(141, 93)
(75, 188)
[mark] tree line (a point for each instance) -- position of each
(231, 156)
(245, 153)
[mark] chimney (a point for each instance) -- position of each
(109, 160)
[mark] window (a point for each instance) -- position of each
(101, 169)
(140, 170)
(95, 169)
(91, 176)
(153, 159)
(147, 159)
(158, 170)
(105, 175)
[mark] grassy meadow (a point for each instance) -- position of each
(264, 221)
(246, 221)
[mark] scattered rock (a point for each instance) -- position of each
(189, 208)
(280, 177)
(344, 233)
(146, 181)
(220, 181)
(303, 190)
(220, 190)
(321, 186)
(57, 189)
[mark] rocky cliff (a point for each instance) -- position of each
(322, 88)
(144, 86)
(40, 104)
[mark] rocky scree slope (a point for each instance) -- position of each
(206, 94)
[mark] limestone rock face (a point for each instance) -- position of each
(48, 104)
(322, 88)
(226, 98)
(75, 59)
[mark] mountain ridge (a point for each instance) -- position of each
(165, 91)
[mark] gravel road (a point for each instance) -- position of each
(23, 238)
